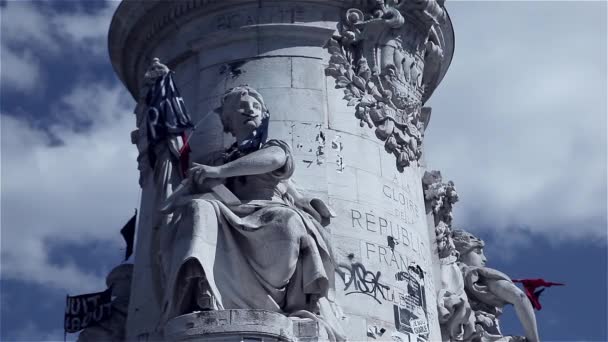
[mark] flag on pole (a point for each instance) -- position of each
(167, 114)
(530, 288)
(184, 155)
(128, 233)
(87, 310)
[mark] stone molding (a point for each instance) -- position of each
(227, 325)
(136, 24)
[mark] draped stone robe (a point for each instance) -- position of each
(263, 254)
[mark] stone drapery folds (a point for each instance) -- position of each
(270, 252)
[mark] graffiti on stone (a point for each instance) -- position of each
(391, 242)
(358, 280)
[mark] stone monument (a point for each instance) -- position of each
(470, 296)
(300, 213)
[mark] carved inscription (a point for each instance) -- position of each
(384, 255)
(386, 227)
(405, 208)
(266, 15)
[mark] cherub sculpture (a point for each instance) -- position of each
(489, 290)
(269, 250)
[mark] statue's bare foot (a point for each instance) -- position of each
(313, 304)
(204, 299)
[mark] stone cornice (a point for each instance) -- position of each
(137, 24)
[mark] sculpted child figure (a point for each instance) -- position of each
(489, 290)
(270, 251)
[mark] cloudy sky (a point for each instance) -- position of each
(519, 124)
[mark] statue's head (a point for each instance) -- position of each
(243, 112)
(155, 71)
(469, 247)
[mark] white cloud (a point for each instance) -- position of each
(20, 70)
(33, 31)
(23, 22)
(81, 191)
(87, 30)
(519, 121)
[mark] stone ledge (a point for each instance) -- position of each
(231, 325)
(138, 24)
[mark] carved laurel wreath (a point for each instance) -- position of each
(380, 97)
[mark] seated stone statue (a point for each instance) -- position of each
(489, 290)
(270, 251)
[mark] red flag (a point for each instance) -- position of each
(184, 154)
(530, 286)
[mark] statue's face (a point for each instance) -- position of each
(155, 71)
(474, 257)
(247, 115)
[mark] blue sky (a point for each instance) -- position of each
(519, 124)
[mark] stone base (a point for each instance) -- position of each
(240, 325)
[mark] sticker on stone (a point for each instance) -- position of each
(411, 316)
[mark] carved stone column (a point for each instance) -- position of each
(356, 134)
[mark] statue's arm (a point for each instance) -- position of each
(318, 209)
(261, 161)
(510, 293)
(293, 191)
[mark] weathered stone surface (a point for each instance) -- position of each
(385, 55)
(279, 47)
(230, 325)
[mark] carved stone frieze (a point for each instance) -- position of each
(440, 196)
(384, 56)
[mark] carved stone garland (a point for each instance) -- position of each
(379, 60)
(440, 198)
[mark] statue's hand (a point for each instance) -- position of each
(304, 204)
(486, 321)
(315, 207)
(199, 172)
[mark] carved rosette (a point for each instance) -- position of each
(384, 57)
(439, 199)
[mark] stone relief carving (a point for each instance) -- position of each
(471, 296)
(440, 198)
(268, 250)
(488, 291)
(384, 56)
(455, 313)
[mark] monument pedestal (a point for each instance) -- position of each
(353, 117)
(241, 325)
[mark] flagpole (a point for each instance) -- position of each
(65, 332)
(139, 201)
